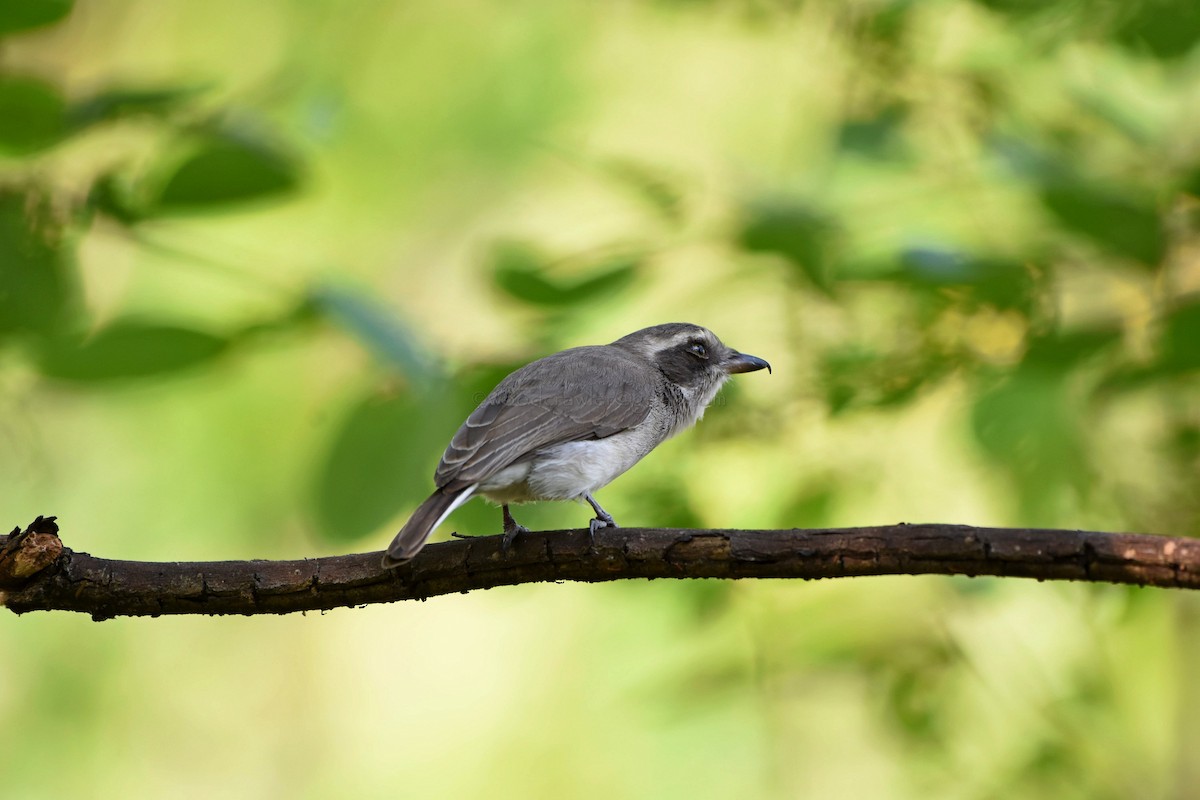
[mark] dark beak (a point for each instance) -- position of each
(740, 362)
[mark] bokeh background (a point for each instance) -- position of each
(258, 260)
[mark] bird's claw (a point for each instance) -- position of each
(511, 532)
(599, 524)
(512, 529)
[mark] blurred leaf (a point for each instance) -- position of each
(651, 185)
(1179, 352)
(112, 104)
(381, 330)
(1027, 425)
(1117, 114)
(1061, 351)
(1116, 222)
(801, 234)
(610, 277)
(1021, 419)
(38, 290)
(841, 376)
(1181, 337)
(1184, 441)
(1165, 29)
(128, 349)
(878, 137)
(940, 267)
(856, 378)
(995, 281)
(299, 316)
(113, 196)
(1026, 159)
(22, 15)
(1015, 7)
(520, 272)
(1190, 181)
(381, 461)
(32, 115)
(517, 271)
(887, 23)
(225, 170)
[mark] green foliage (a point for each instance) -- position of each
(1165, 29)
(380, 331)
(857, 378)
(879, 136)
(659, 190)
(1062, 351)
(129, 348)
(226, 169)
(1115, 222)
(38, 287)
(378, 464)
(802, 235)
(1181, 338)
(21, 15)
(986, 280)
(111, 105)
(33, 115)
(1025, 425)
(523, 273)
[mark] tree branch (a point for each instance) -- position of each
(38, 573)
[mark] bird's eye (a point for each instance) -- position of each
(698, 350)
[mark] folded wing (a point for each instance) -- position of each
(576, 395)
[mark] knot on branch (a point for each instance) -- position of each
(27, 552)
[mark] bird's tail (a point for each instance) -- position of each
(424, 520)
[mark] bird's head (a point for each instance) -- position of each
(691, 357)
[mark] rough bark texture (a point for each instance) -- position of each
(38, 573)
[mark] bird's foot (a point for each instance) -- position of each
(510, 535)
(512, 529)
(599, 524)
(603, 520)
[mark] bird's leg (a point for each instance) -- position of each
(511, 529)
(603, 519)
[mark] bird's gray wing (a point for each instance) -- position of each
(578, 394)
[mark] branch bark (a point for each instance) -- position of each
(38, 573)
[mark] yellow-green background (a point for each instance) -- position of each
(431, 138)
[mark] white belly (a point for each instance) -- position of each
(570, 470)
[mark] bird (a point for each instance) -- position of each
(566, 425)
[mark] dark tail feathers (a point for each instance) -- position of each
(412, 536)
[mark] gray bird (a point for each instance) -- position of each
(568, 424)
